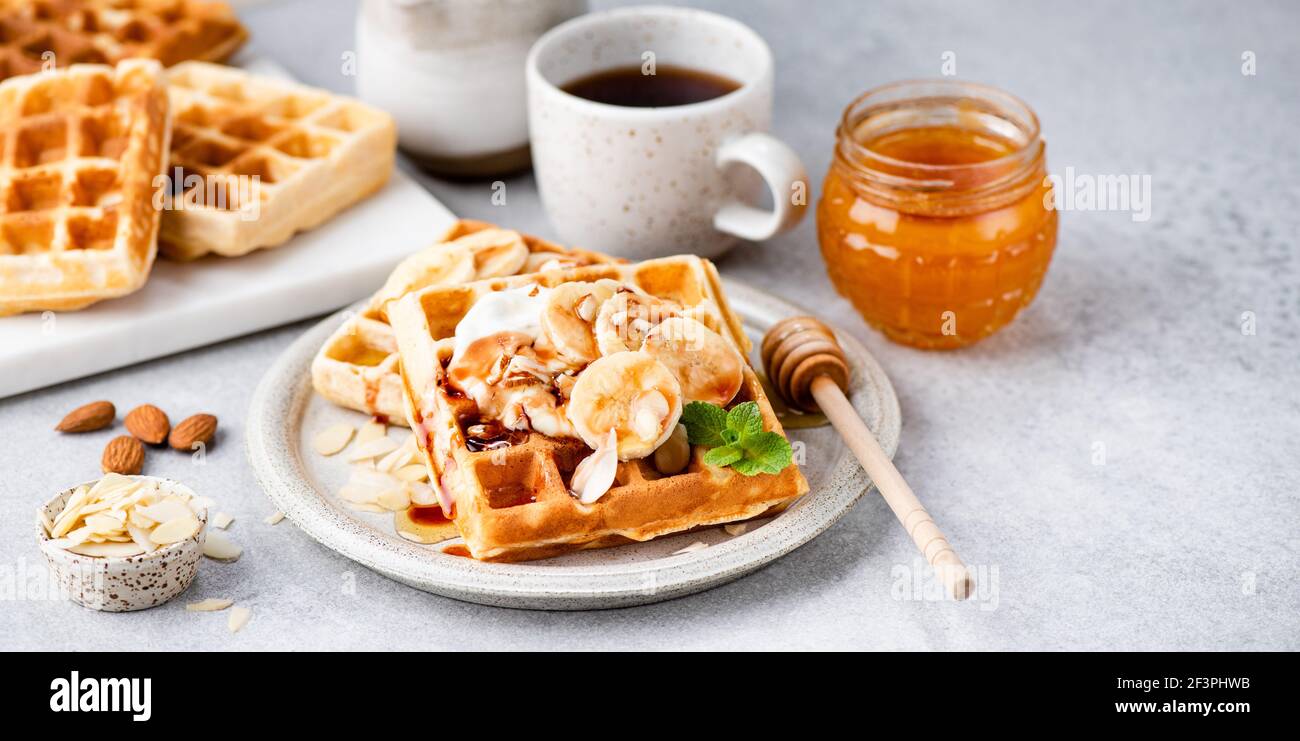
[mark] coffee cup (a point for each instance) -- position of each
(640, 179)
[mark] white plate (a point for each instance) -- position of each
(286, 414)
(187, 305)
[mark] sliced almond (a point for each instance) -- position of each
(174, 531)
(692, 548)
(372, 449)
(239, 617)
(141, 537)
(217, 546)
(166, 510)
(394, 499)
(273, 518)
(211, 604)
(416, 472)
(222, 520)
(372, 430)
(736, 528)
(333, 439)
(107, 550)
(422, 493)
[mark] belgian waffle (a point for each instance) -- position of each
(357, 366)
(36, 35)
(513, 503)
(82, 148)
(256, 159)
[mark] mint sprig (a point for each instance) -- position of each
(736, 438)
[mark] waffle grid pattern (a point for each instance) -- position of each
(255, 160)
(81, 150)
(34, 33)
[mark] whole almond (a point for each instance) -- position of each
(149, 423)
(198, 428)
(123, 454)
(93, 416)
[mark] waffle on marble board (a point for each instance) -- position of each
(36, 35)
(514, 503)
(357, 367)
(82, 149)
(256, 159)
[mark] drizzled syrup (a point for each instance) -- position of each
(480, 436)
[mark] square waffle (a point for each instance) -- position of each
(512, 502)
(37, 34)
(357, 366)
(256, 159)
(82, 149)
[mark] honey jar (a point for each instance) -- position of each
(935, 218)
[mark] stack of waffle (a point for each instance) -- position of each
(513, 499)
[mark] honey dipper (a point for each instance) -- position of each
(806, 367)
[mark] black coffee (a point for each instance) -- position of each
(669, 86)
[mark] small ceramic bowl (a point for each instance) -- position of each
(124, 584)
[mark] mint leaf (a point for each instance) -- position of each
(704, 424)
(745, 419)
(723, 456)
(766, 452)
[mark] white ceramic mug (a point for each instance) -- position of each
(649, 182)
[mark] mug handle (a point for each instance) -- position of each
(785, 177)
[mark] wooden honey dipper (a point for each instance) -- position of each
(806, 367)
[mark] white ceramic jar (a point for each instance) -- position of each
(451, 72)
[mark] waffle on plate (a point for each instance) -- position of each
(256, 159)
(541, 404)
(357, 366)
(36, 35)
(82, 149)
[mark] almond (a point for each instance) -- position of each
(148, 423)
(93, 416)
(123, 454)
(199, 428)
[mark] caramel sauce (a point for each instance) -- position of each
(480, 436)
(457, 549)
(425, 525)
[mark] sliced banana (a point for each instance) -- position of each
(629, 392)
(707, 367)
(440, 265)
(569, 316)
(497, 252)
(542, 261)
(625, 319)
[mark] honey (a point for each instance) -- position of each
(934, 217)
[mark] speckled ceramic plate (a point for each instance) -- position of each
(286, 414)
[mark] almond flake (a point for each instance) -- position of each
(239, 617)
(372, 430)
(373, 448)
(736, 528)
(107, 550)
(211, 604)
(692, 548)
(174, 531)
(394, 499)
(222, 520)
(273, 518)
(417, 472)
(166, 510)
(218, 547)
(332, 439)
(422, 493)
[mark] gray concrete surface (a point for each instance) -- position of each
(1185, 538)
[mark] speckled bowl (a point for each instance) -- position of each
(123, 584)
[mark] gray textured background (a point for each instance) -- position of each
(1185, 538)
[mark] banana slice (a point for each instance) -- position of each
(631, 393)
(570, 312)
(497, 252)
(625, 319)
(439, 265)
(707, 367)
(538, 262)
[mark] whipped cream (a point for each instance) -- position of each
(517, 310)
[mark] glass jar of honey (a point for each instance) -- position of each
(935, 217)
